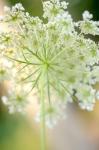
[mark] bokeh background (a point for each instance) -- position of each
(80, 131)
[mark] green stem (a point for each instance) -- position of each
(43, 128)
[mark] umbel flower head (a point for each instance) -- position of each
(53, 55)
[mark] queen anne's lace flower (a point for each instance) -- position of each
(51, 54)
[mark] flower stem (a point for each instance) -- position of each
(43, 128)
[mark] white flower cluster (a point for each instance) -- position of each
(53, 113)
(16, 99)
(5, 69)
(88, 26)
(53, 55)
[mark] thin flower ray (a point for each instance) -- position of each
(32, 74)
(19, 70)
(23, 62)
(35, 83)
(66, 90)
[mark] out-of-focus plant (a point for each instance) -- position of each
(52, 56)
(34, 7)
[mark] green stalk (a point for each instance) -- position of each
(43, 128)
